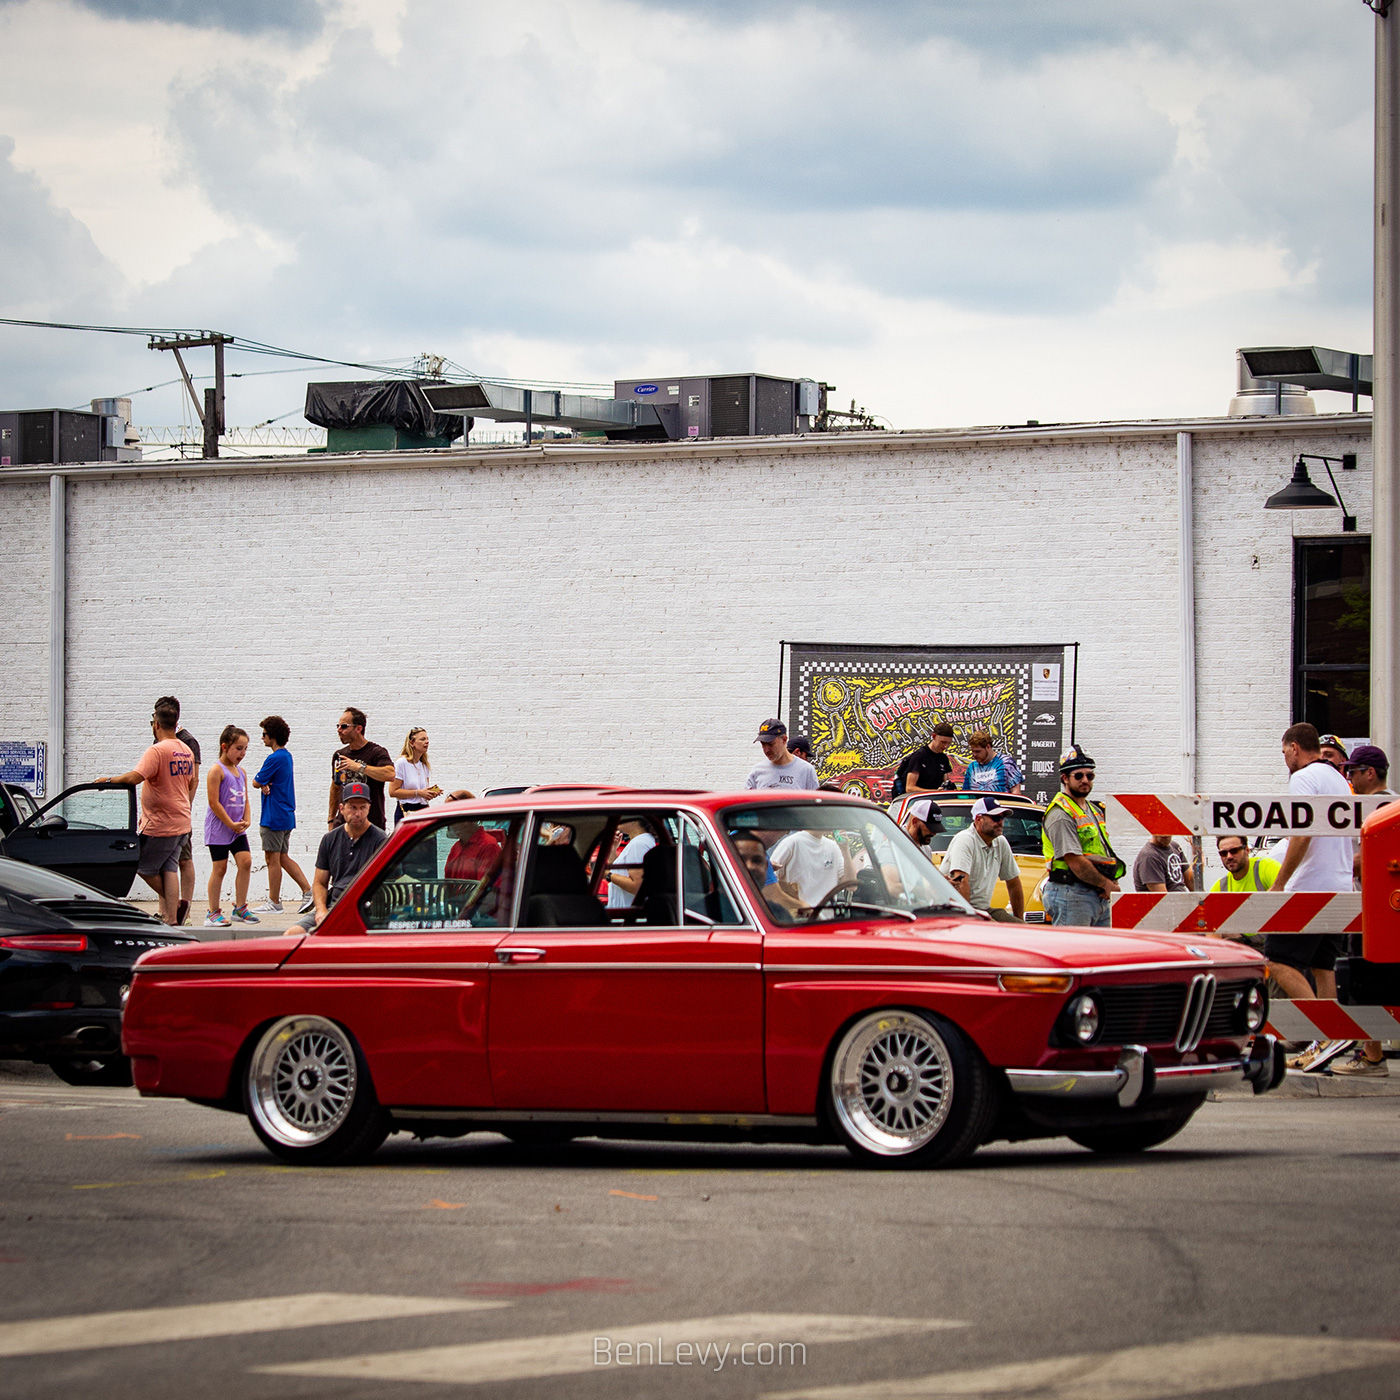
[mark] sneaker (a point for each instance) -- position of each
(308, 902)
(1359, 1066)
(1319, 1055)
(244, 917)
(215, 919)
(182, 912)
(267, 907)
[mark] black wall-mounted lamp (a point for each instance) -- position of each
(1301, 494)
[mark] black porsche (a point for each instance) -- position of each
(66, 952)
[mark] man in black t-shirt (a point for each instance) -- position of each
(359, 760)
(928, 767)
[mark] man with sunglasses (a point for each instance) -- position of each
(1084, 868)
(980, 855)
(359, 761)
(1244, 874)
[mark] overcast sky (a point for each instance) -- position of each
(957, 211)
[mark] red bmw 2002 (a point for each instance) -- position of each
(479, 976)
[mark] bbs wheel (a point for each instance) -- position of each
(308, 1093)
(906, 1089)
(1139, 1136)
(857, 788)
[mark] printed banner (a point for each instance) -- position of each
(866, 707)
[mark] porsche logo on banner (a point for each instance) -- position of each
(866, 707)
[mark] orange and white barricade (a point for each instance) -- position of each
(1227, 915)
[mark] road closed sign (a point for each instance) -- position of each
(1247, 815)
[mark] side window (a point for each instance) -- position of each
(708, 898)
(457, 875)
(94, 809)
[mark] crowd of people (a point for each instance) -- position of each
(361, 774)
(1083, 870)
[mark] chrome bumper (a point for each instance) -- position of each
(1135, 1078)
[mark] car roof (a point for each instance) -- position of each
(578, 797)
(1004, 799)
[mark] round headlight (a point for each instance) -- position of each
(1256, 1006)
(1082, 1018)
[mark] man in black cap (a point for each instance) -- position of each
(780, 768)
(801, 745)
(345, 850)
(1084, 871)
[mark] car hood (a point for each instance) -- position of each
(956, 942)
(249, 954)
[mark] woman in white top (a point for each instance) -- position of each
(412, 786)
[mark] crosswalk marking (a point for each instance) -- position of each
(139, 1327)
(1135, 1373)
(528, 1358)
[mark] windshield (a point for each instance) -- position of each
(822, 862)
(1021, 828)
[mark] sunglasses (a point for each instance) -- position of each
(345, 726)
(1232, 850)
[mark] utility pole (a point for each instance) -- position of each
(1385, 401)
(211, 412)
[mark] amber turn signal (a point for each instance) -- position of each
(1035, 982)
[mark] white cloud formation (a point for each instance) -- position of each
(926, 203)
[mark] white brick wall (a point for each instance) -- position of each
(615, 614)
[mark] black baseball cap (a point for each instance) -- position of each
(771, 729)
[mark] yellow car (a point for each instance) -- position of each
(1022, 829)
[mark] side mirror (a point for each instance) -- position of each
(55, 822)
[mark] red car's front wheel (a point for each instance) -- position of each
(907, 1089)
(308, 1093)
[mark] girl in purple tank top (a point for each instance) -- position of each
(225, 828)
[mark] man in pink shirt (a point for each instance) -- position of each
(165, 770)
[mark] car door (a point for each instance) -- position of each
(405, 964)
(88, 832)
(653, 1008)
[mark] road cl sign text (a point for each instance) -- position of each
(1247, 814)
(1338, 816)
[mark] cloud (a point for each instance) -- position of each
(895, 194)
(292, 17)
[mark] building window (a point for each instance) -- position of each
(1332, 634)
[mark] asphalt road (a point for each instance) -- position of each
(1252, 1257)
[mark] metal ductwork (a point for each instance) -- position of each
(1275, 379)
(504, 403)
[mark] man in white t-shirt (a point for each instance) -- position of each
(808, 864)
(780, 768)
(1309, 863)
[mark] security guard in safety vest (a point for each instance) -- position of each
(1084, 871)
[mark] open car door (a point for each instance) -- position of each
(87, 832)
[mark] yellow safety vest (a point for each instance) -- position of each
(1093, 839)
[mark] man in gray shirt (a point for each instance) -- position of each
(980, 855)
(780, 768)
(343, 853)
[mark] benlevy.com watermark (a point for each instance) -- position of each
(710, 1356)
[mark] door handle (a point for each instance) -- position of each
(520, 955)
(123, 845)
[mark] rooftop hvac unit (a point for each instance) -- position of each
(726, 405)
